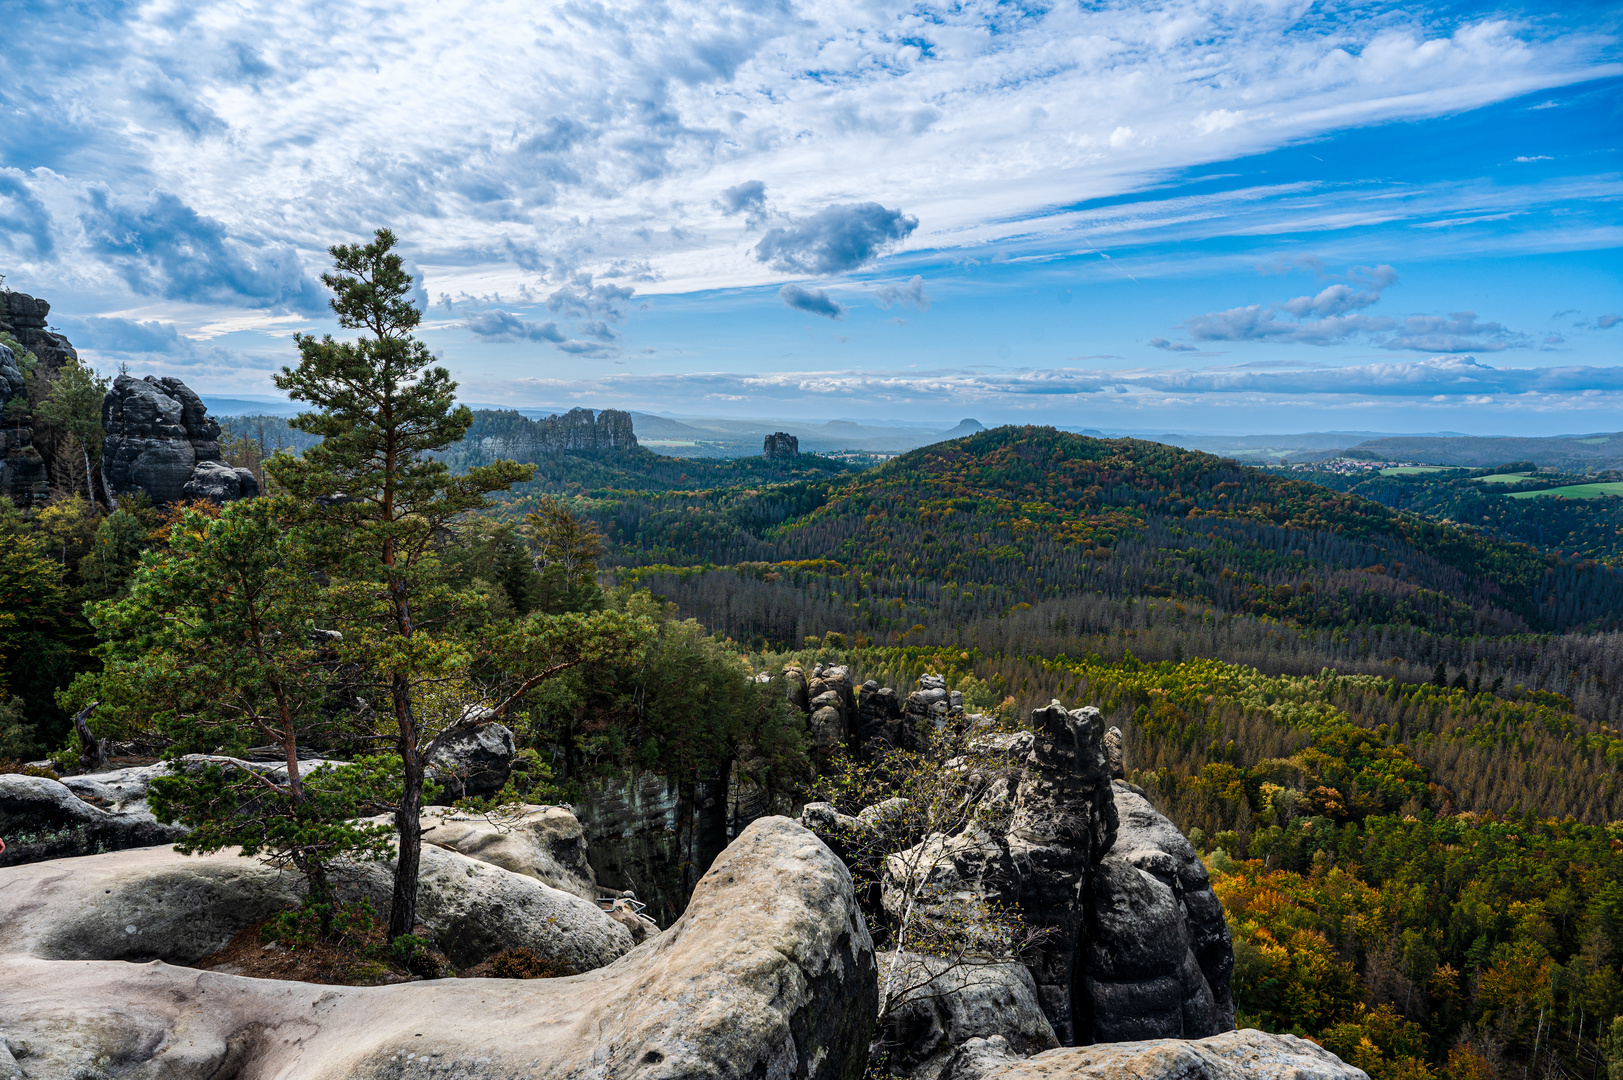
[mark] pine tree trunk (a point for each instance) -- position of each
(90, 485)
(403, 907)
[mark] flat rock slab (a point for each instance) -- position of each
(769, 973)
(1248, 1054)
(154, 903)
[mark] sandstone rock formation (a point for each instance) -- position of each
(546, 843)
(769, 973)
(499, 434)
(1158, 958)
(23, 317)
(1136, 943)
(1234, 1055)
(12, 384)
(780, 444)
(472, 762)
(22, 469)
(153, 903)
(976, 1001)
(654, 838)
(161, 441)
(41, 818)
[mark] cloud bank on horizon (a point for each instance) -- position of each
(869, 202)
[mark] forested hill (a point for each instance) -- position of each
(971, 528)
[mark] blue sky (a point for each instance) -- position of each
(1198, 216)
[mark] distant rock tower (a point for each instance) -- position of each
(781, 444)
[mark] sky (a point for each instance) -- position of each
(1183, 215)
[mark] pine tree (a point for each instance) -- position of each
(374, 497)
(218, 638)
(73, 404)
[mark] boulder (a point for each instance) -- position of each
(546, 843)
(1234, 1055)
(154, 903)
(769, 973)
(41, 818)
(473, 761)
(219, 482)
(1158, 959)
(947, 1004)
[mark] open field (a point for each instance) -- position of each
(1574, 491)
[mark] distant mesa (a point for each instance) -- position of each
(781, 444)
(966, 426)
(161, 441)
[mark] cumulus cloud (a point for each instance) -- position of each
(499, 325)
(1456, 333)
(1606, 322)
(1330, 317)
(601, 301)
(912, 294)
(748, 198)
(811, 301)
(835, 239)
(165, 248)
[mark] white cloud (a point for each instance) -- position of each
(553, 140)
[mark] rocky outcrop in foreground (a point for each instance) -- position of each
(161, 441)
(1234, 1055)
(1135, 943)
(769, 973)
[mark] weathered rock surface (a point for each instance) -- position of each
(546, 843)
(153, 903)
(161, 441)
(24, 318)
(769, 973)
(41, 818)
(474, 761)
(1158, 959)
(1234, 1055)
(22, 469)
(12, 384)
(219, 482)
(649, 836)
(1061, 821)
(953, 1004)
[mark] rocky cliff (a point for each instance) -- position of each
(161, 441)
(23, 473)
(503, 434)
(23, 317)
(1133, 941)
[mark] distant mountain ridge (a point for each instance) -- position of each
(1569, 453)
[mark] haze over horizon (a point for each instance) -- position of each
(1193, 216)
